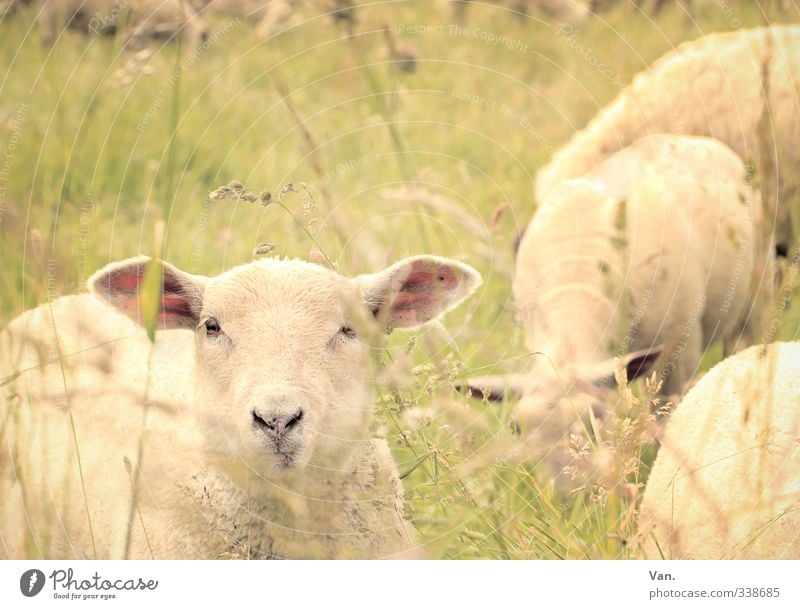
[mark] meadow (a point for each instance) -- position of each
(367, 161)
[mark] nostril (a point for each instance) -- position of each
(294, 419)
(257, 420)
(260, 422)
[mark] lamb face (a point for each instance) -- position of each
(284, 348)
(281, 361)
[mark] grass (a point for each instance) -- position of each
(101, 148)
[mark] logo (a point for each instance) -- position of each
(31, 582)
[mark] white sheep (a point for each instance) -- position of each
(738, 87)
(143, 19)
(255, 418)
(653, 248)
(726, 481)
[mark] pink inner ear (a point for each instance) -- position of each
(125, 287)
(408, 306)
(422, 278)
(421, 290)
(126, 280)
(174, 308)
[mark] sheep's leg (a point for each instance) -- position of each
(684, 359)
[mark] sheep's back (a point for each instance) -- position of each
(725, 483)
(78, 394)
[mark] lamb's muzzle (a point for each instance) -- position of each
(278, 422)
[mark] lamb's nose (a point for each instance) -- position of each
(277, 423)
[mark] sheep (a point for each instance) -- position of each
(726, 480)
(652, 251)
(738, 87)
(253, 411)
(143, 19)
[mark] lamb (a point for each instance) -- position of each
(144, 19)
(726, 481)
(253, 409)
(739, 87)
(652, 251)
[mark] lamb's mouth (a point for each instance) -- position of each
(285, 460)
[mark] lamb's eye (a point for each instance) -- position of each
(211, 326)
(343, 335)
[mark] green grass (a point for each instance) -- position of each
(393, 164)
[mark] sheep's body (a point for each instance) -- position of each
(214, 479)
(144, 19)
(740, 88)
(599, 275)
(726, 481)
(654, 247)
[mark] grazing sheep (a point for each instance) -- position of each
(654, 247)
(740, 88)
(726, 481)
(142, 19)
(254, 414)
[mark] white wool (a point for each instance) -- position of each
(714, 86)
(726, 481)
(212, 483)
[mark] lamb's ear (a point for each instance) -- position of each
(120, 284)
(418, 289)
(493, 388)
(636, 364)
